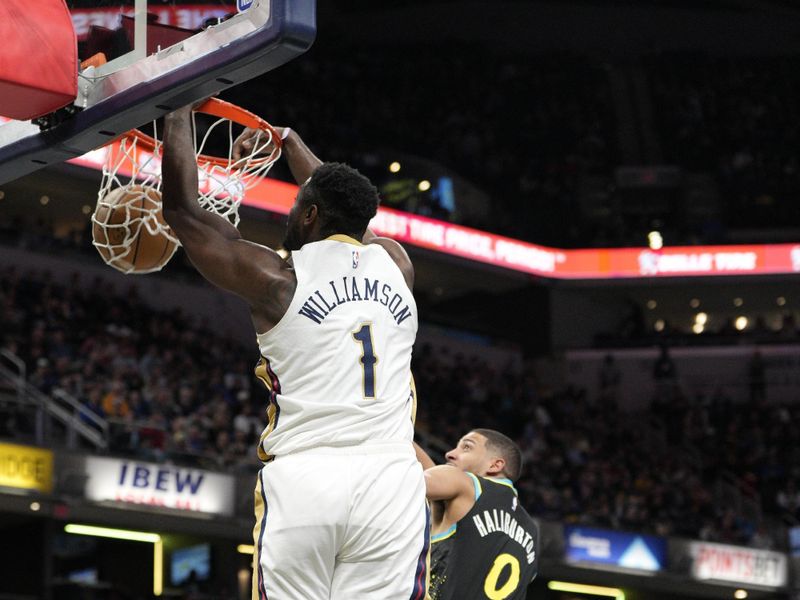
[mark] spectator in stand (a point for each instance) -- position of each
(788, 498)
(92, 405)
(665, 376)
(246, 422)
(757, 379)
(115, 403)
(610, 380)
(789, 328)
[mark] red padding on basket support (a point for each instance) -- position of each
(38, 58)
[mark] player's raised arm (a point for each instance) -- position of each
(212, 243)
(180, 183)
(302, 163)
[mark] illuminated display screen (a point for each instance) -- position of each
(195, 559)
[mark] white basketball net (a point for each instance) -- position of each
(137, 169)
(114, 245)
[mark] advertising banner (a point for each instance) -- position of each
(737, 564)
(615, 548)
(26, 468)
(593, 263)
(794, 541)
(517, 255)
(168, 486)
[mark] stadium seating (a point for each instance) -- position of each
(548, 159)
(174, 390)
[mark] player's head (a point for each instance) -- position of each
(487, 453)
(335, 199)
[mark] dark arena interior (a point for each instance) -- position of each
(601, 200)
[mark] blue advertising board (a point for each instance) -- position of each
(794, 540)
(614, 548)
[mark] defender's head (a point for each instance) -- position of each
(335, 199)
(487, 453)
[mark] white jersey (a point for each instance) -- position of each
(338, 364)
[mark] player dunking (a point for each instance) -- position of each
(484, 544)
(340, 501)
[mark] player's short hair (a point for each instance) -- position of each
(506, 448)
(345, 198)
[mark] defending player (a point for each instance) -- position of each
(340, 502)
(484, 544)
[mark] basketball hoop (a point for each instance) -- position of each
(133, 165)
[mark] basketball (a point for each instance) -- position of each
(129, 230)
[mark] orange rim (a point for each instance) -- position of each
(224, 110)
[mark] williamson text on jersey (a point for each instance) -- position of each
(354, 289)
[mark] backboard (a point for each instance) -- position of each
(157, 56)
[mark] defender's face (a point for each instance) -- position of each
(471, 454)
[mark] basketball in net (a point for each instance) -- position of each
(129, 231)
(128, 228)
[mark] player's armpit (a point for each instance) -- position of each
(247, 269)
(447, 483)
(397, 253)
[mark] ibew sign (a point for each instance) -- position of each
(153, 484)
(614, 548)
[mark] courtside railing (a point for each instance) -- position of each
(78, 422)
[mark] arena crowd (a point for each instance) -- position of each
(173, 390)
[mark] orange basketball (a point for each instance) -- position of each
(129, 230)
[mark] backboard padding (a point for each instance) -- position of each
(267, 35)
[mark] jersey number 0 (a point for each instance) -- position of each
(368, 359)
(491, 588)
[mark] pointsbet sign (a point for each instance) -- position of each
(736, 564)
(26, 468)
(158, 485)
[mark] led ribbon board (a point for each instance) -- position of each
(580, 264)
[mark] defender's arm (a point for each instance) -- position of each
(424, 459)
(448, 483)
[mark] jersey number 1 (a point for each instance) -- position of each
(368, 359)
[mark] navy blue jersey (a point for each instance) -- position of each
(491, 553)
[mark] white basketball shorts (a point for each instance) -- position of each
(342, 524)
